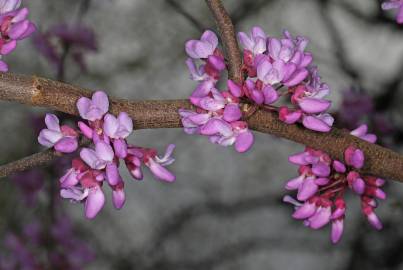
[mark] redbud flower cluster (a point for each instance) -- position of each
(218, 114)
(95, 166)
(322, 183)
(14, 26)
(272, 68)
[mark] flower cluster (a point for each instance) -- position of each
(84, 180)
(322, 183)
(395, 4)
(219, 114)
(29, 249)
(272, 68)
(14, 26)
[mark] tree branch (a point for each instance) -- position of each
(228, 38)
(35, 91)
(29, 162)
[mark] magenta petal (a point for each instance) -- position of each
(234, 88)
(120, 147)
(374, 221)
(52, 122)
(232, 113)
(339, 212)
(200, 118)
(339, 166)
(244, 141)
(100, 100)
(315, 124)
(3, 66)
(295, 183)
(360, 131)
(307, 189)
(321, 169)
(126, 125)
(111, 125)
(322, 181)
(299, 158)
(270, 95)
(90, 157)
(83, 106)
(217, 62)
(49, 137)
(354, 157)
(216, 126)
(337, 230)
(31, 29)
(18, 29)
(371, 138)
(296, 78)
(112, 174)
(86, 130)
(67, 145)
(320, 218)
(202, 89)
(313, 105)
(211, 104)
(210, 37)
(358, 186)
(257, 96)
(94, 203)
(305, 211)
(160, 172)
(20, 15)
(8, 47)
(69, 179)
(104, 151)
(118, 198)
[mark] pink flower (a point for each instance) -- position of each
(14, 26)
(118, 128)
(95, 108)
(63, 139)
(255, 42)
(157, 164)
(102, 158)
(270, 73)
(203, 48)
(322, 183)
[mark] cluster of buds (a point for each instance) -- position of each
(14, 26)
(271, 68)
(218, 114)
(395, 4)
(84, 181)
(322, 183)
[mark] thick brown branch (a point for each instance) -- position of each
(36, 91)
(227, 33)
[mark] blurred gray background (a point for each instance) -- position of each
(225, 210)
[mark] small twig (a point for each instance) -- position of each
(35, 160)
(30, 162)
